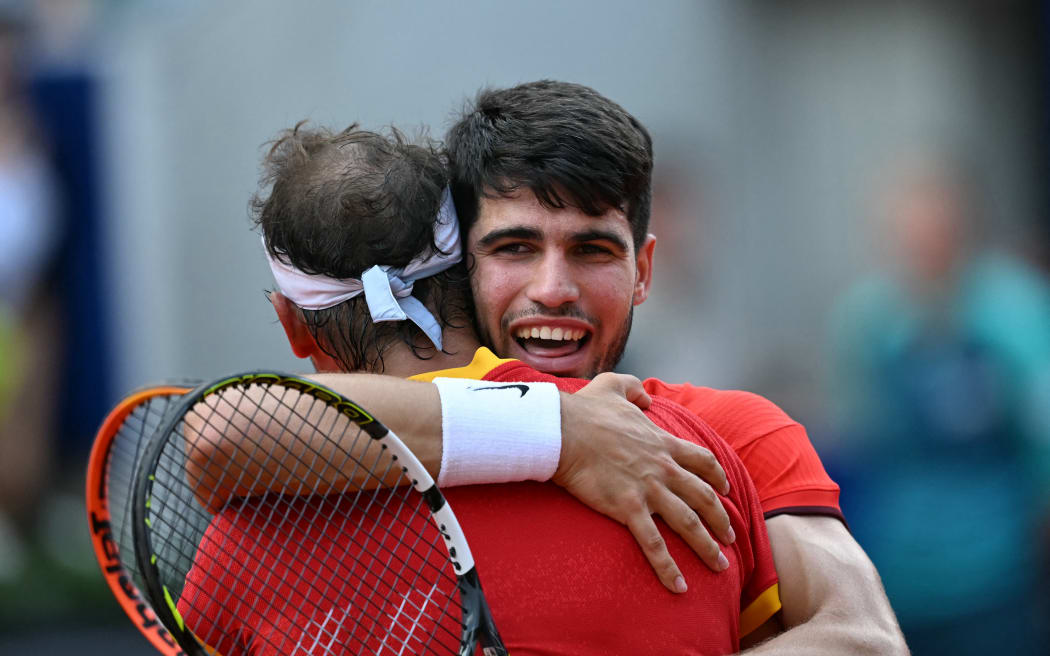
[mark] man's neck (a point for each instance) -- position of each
(460, 344)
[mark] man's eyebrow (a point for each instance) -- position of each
(601, 235)
(518, 232)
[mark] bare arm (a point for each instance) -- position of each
(833, 601)
(245, 441)
(613, 459)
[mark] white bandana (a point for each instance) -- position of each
(388, 291)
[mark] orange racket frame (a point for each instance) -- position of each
(106, 549)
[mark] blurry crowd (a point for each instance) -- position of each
(53, 359)
(29, 239)
(934, 416)
(941, 395)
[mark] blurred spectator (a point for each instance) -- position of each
(679, 304)
(941, 365)
(66, 90)
(28, 317)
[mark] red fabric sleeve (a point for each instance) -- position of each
(774, 448)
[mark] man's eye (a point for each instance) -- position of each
(512, 249)
(593, 249)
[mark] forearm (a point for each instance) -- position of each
(832, 634)
(243, 443)
(611, 456)
(832, 599)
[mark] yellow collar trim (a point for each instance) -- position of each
(484, 361)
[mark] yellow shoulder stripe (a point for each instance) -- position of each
(760, 610)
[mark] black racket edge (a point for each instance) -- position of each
(478, 624)
(100, 519)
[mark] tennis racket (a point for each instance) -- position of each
(117, 447)
(379, 566)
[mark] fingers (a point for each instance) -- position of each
(634, 392)
(699, 495)
(701, 462)
(684, 521)
(703, 504)
(624, 385)
(644, 530)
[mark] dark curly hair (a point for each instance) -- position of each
(564, 141)
(336, 204)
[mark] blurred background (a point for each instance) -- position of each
(850, 200)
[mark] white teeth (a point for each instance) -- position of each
(556, 334)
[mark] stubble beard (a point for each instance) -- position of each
(612, 357)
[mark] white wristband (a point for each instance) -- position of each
(498, 432)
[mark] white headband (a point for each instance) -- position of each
(388, 291)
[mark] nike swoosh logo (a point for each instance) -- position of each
(522, 388)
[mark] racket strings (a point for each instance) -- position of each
(122, 458)
(418, 536)
(369, 604)
(223, 418)
(419, 610)
(271, 591)
(355, 541)
(374, 562)
(393, 491)
(360, 468)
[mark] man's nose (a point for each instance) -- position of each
(553, 283)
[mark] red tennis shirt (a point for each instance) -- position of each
(559, 577)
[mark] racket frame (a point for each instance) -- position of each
(107, 553)
(477, 622)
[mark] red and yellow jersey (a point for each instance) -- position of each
(603, 562)
(559, 577)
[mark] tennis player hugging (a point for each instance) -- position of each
(535, 218)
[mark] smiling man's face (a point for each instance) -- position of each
(556, 288)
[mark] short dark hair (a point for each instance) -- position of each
(336, 204)
(566, 142)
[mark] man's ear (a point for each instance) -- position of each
(644, 269)
(299, 337)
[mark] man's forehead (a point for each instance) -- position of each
(522, 208)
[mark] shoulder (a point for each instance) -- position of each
(774, 448)
(736, 415)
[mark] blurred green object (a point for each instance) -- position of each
(48, 591)
(10, 359)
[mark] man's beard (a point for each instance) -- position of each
(612, 357)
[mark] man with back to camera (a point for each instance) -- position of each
(348, 189)
(532, 167)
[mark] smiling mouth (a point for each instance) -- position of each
(547, 341)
